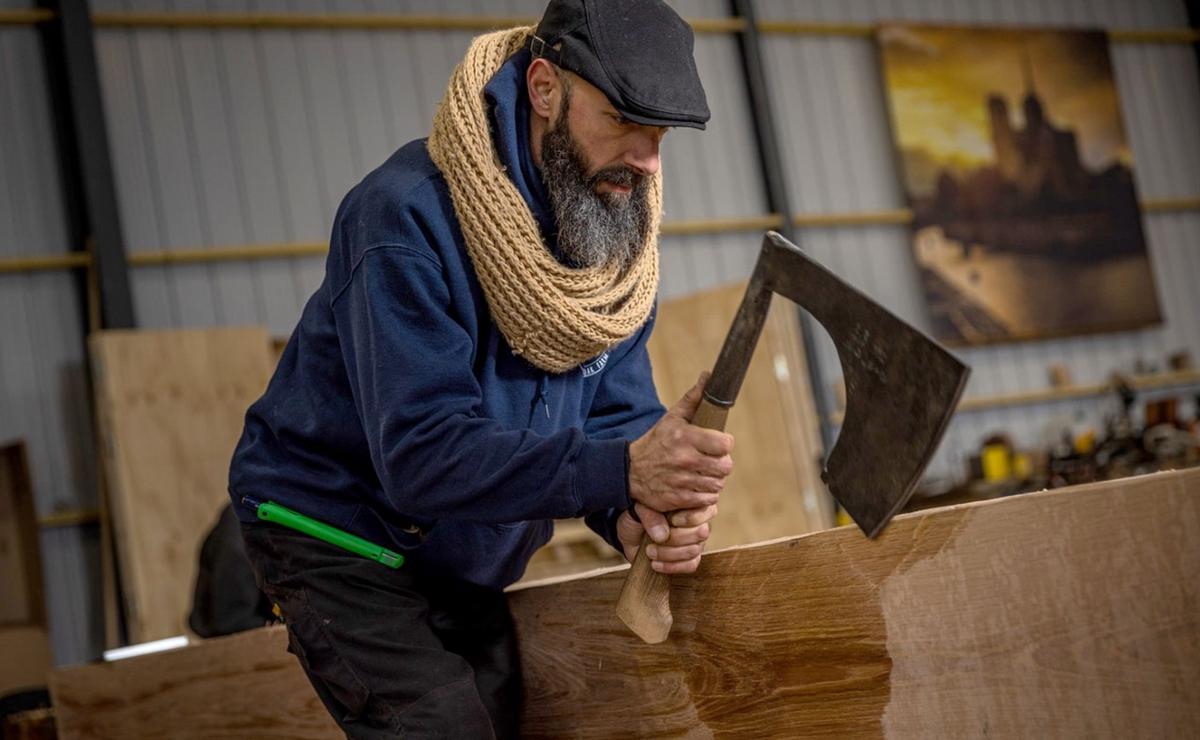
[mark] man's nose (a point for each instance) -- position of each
(642, 154)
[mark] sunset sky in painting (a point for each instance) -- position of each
(938, 80)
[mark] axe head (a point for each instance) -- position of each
(901, 386)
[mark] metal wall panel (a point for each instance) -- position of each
(43, 389)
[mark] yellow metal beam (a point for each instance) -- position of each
(43, 263)
(25, 17)
(225, 254)
(692, 227)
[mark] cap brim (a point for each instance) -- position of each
(660, 121)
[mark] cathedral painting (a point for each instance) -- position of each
(1018, 173)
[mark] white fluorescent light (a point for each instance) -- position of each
(145, 648)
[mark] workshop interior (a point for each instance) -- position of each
(939, 260)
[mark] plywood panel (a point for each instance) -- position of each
(171, 407)
(1064, 614)
(26, 663)
(775, 489)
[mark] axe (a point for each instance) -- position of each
(901, 389)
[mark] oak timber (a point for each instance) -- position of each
(171, 406)
(1073, 613)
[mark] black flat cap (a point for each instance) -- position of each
(638, 52)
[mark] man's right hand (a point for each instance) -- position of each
(677, 465)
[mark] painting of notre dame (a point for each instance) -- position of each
(1019, 176)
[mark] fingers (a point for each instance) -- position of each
(665, 554)
(674, 560)
(654, 522)
(686, 406)
(709, 441)
(693, 517)
(681, 536)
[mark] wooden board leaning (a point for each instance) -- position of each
(170, 409)
(1073, 613)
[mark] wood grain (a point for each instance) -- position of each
(21, 599)
(1073, 613)
(171, 406)
(244, 686)
(1063, 614)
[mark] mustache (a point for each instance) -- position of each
(618, 174)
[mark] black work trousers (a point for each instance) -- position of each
(392, 653)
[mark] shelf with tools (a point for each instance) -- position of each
(1145, 382)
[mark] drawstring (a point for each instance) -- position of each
(543, 388)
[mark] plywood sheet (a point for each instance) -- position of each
(776, 488)
(1074, 613)
(26, 660)
(171, 407)
(243, 686)
(21, 599)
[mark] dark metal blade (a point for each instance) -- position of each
(901, 387)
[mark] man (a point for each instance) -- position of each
(474, 366)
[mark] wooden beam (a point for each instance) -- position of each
(1071, 613)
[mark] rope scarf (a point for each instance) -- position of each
(554, 316)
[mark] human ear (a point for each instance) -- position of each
(542, 80)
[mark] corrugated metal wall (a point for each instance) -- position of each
(235, 136)
(43, 390)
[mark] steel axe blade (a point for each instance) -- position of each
(901, 386)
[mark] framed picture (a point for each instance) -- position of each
(1018, 172)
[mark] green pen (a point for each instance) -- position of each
(282, 515)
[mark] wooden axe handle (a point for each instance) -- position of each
(645, 601)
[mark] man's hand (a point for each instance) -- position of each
(680, 553)
(676, 465)
(681, 468)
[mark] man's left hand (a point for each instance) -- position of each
(680, 552)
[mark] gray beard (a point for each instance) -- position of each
(594, 229)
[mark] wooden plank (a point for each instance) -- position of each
(243, 686)
(775, 489)
(27, 661)
(22, 602)
(1073, 613)
(1064, 614)
(171, 406)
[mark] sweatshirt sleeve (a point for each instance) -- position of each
(626, 405)
(409, 366)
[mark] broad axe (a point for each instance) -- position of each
(901, 389)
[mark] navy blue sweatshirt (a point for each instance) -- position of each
(397, 400)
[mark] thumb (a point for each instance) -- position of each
(655, 523)
(686, 406)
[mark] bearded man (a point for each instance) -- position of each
(474, 366)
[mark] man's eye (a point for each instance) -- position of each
(621, 120)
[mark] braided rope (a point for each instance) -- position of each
(554, 316)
